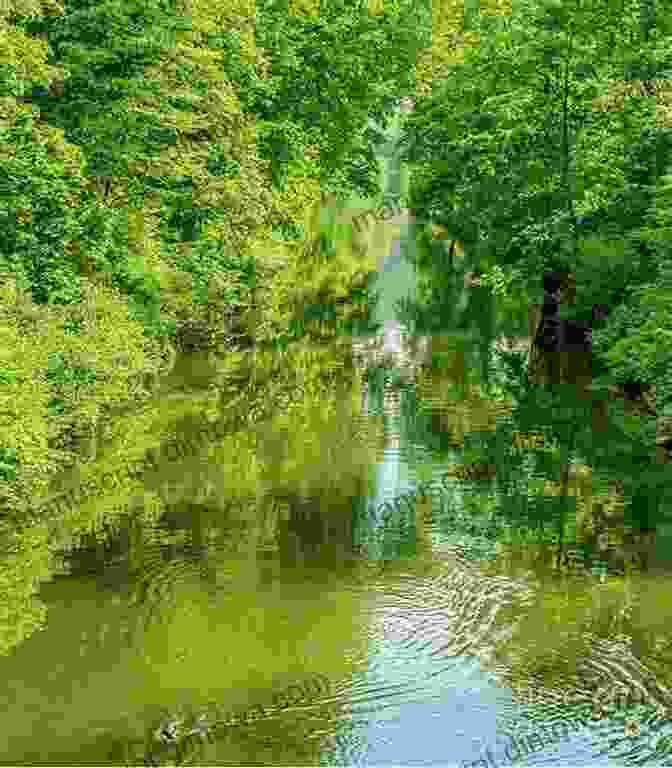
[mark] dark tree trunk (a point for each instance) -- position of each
(560, 350)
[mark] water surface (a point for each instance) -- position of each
(375, 569)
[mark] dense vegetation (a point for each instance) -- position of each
(164, 163)
(154, 156)
(549, 147)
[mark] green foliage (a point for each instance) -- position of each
(508, 376)
(60, 373)
(8, 464)
(72, 326)
(220, 162)
(36, 218)
(146, 109)
(119, 115)
(208, 257)
(511, 152)
(499, 280)
(7, 376)
(280, 143)
(105, 47)
(62, 376)
(104, 240)
(315, 62)
(636, 341)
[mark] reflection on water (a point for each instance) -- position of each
(371, 567)
(434, 636)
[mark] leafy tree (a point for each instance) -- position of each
(149, 151)
(328, 79)
(532, 153)
(512, 151)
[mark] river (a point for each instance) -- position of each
(271, 596)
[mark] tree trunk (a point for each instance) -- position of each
(560, 351)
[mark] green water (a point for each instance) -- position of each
(269, 586)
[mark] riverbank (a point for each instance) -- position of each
(70, 371)
(67, 370)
